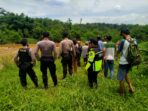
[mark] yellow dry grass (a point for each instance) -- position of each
(8, 51)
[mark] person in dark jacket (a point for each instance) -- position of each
(25, 60)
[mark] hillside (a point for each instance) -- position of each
(13, 27)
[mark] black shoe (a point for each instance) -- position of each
(63, 78)
(131, 91)
(55, 84)
(95, 85)
(25, 87)
(36, 86)
(46, 87)
(91, 85)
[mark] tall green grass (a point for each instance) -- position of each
(72, 94)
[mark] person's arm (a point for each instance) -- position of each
(16, 59)
(54, 52)
(104, 52)
(74, 51)
(120, 48)
(36, 52)
(102, 46)
(60, 50)
(91, 56)
(32, 56)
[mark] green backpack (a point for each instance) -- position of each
(133, 55)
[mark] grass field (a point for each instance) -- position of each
(72, 94)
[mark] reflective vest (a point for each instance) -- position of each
(94, 60)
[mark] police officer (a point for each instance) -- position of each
(48, 56)
(78, 54)
(25, 60)
(67, 51)
(94, 62)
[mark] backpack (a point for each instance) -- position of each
(133, 55)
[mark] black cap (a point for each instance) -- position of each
(45, 34)
(94, 41)
(125, 31)
(109, 38)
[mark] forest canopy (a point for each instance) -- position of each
(13, 27)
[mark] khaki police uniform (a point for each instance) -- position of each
(67, 51)
(47, 60)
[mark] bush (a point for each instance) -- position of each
(9, 36)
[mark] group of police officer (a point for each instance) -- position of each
(25, 60)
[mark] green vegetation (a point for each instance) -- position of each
(73, 94)
(14, 26)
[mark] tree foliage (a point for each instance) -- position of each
(22, 26)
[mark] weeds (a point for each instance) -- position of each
(73, 94)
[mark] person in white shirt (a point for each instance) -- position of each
(109, 52)
(124, 66)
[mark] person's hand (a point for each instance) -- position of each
(18, 64)
(33, 63)
(104, 58)
(118, 43)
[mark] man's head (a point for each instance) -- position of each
(93, 43)
(109, 38)
(86, 43)
(24, 42)
(74, 41)
(45, 34)
(65, 34)
(99, 37)
(124, 32)
(79, 42)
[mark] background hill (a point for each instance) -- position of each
(13, 27)
(73, 94)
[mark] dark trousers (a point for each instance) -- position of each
(52, 68)
(79, 60)
(67, 64)
(92, 78)
(32, 75)
(85, 60)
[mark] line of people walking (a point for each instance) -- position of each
(97, 55)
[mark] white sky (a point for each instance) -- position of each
(107, 11)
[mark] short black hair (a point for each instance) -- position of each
(45, 34)
(65, 34)
(24, 42)
(109, 38)
(74, 41)
(99, 37)
(124, 31)
(93, 41)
